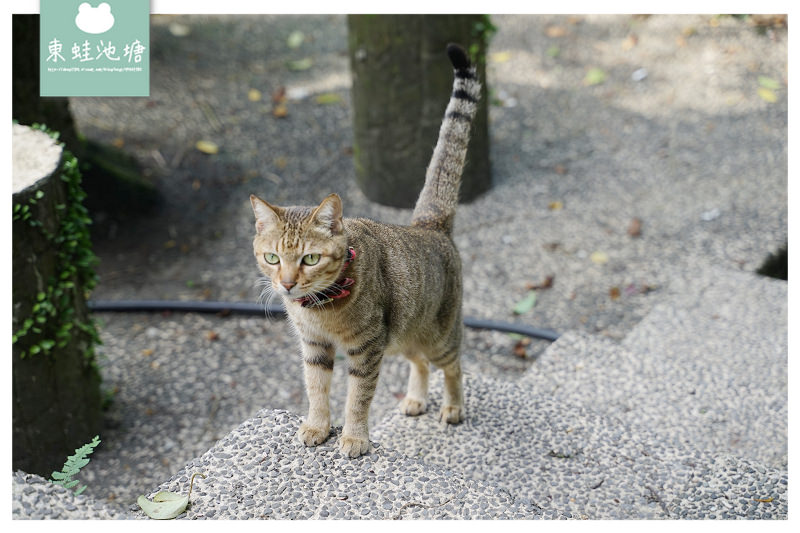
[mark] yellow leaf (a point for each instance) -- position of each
(500, 57)
(768, 95)
(763, 500)
(254, 95)
(280, 111)
(555, 206)
(207, 147)
(599, 258)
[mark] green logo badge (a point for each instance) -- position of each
(98, 48)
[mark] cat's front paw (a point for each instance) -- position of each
(353, 447)
(312, 436)
(452, 414)
(412, 407)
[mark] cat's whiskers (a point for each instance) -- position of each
(267, 294)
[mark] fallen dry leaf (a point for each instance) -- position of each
(775, 21)
(599, 258)
(630, 41)
(280, 111)
(546, 284)
(179, 30)
(768, 95)
(614, 293)
(300, 64)
(212, 336)
(207, 147)
(254, 95)
(279, 95)
(555, 206)
(555, 31)
(635, 227)
(526, 304)
(595, 76)
(520, 348)
(295, 39)
(328, 98)
(769, 83)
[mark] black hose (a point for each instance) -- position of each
(243, 308)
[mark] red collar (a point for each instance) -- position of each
(335, 291)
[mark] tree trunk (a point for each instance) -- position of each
(402, 82)
(56, 403)
(27, 106)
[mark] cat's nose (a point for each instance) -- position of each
(288, 285)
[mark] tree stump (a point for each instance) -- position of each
(56, 385)
(402, 80)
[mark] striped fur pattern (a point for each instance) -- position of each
(406, 296)
(436, 205)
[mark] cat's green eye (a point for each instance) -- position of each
(311, 259)
(272, 259)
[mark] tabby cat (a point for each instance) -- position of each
(368, 288)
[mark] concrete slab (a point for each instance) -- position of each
(261, 471)
(567, 457)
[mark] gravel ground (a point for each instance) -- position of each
(690, 150)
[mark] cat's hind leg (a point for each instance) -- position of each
(416, 400)
(453, 410)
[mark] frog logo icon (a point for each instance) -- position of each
(94, 19)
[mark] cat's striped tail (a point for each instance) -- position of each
(437, 202)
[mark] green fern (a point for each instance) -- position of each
(73, 466)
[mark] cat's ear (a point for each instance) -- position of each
(265, 214)
(329, 214)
